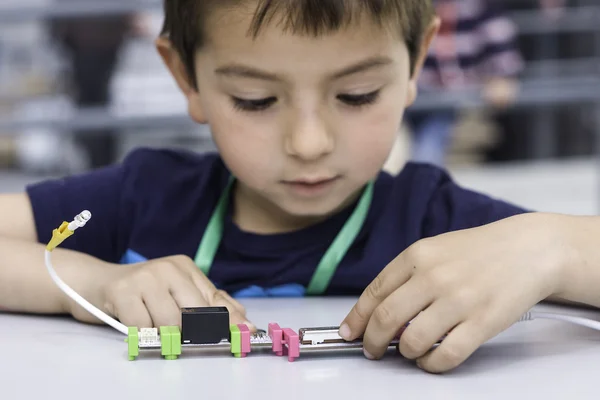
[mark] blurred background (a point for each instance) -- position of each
(509, 100)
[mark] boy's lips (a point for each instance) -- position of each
(310, 187)
(311, 181)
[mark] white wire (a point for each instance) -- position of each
(533, 315)
(80, 300)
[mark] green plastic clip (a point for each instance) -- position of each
(175, 341)
(236, 341)
(132, 341)
(170, 342)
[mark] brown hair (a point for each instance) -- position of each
(185, 19)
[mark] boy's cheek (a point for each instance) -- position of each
(372, 142)
(251, 157)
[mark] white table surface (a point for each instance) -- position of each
(48, 356)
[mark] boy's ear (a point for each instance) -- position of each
(430, 34)
(177, 68)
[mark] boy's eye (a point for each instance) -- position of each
(359, 99)
(253, 105)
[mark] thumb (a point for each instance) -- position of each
(393, 276)
(355, 323)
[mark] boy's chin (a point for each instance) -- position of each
(315, 210)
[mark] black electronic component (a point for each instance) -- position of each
(204, 325)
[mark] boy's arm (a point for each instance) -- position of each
(25, 285)
(580, 278)
(147, 294)
(577, 254)
(477, 270)
(26, 227)
(17, 220)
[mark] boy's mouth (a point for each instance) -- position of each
(308, 187)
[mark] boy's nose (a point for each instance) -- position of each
(309, 139)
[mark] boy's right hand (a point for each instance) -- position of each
(151, 294)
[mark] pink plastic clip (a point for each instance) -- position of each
(244, 339)
(276, 335)
(292, 344)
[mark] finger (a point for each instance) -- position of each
(221, 298)
(188, 267)
(457, 347)
(240, 310)
(428, 328)
(185, 292)
(238, 306)
(131, 311)
(213, 296)
(162, 307)
(393, 314)
(463, 340)
(392, 277)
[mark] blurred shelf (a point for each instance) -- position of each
(74, 8)
(90, 119)
(583, 66)
(533, 93)
(570, 19)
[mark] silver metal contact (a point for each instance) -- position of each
(320, 335)
(260, 340)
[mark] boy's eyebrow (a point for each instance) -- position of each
(250, 72)
(246, 72)
(364, 65)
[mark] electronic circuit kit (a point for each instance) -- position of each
(210, 328)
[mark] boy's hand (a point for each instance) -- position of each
(151, 294)
(473, 284)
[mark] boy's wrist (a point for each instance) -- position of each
(549, 250)
(565, 251)
(571, 252)
(89, 283)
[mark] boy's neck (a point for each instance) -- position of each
(252, 213)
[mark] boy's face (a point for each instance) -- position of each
(302, 122)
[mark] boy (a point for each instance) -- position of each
(304, 99)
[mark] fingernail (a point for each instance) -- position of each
(418, 362)
(368, 355)
(345, 332)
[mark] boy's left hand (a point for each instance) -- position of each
(471, 284)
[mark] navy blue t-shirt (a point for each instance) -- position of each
(157, 203)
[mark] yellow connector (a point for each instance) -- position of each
(59, 235)
(66, 229)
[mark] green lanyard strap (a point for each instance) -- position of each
(214, 232)
(328, 264)
(340, 245)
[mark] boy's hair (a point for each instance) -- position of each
(185, 20)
